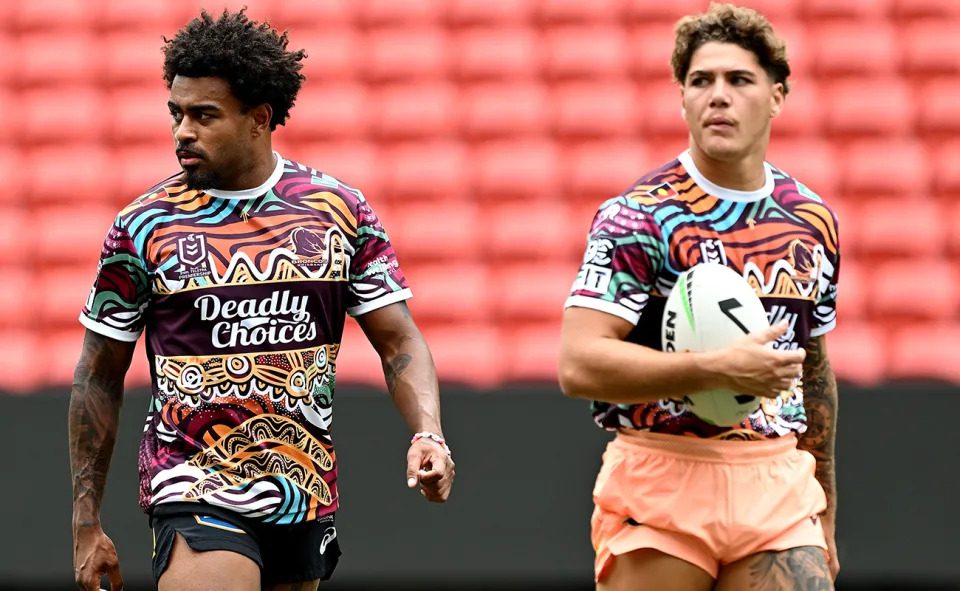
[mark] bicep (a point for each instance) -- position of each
(388, 327)
(105, 357)
(581, 326)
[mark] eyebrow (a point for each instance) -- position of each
(201, 107)
(730, 73)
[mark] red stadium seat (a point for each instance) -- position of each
(308, 13)
(946, 171)
(856, 47)
(17, 296)
(62, 348)
(332, 55)
(132, 57)
(597, 171)
(800, 50)
(50, 58)
(938, 107)
(532, 291)
(19, 370)
(925, 350)
(507, 236)
(426, 170)
(491, 12)
(150, 17)
(585, 52)
(597, 110)
(66, 173)
(813, 162)
(71, 234)
(415, 111)
(901, 227)
(519, 169)
(852, 288)
(926, 8)
(497, 110)
(16, 247)
(650, 47)
(62, 291)
(952, 225)
(531, 351)
(62, 114)
(138, 167)
(331, 111)
(926, 50)
(870, 106)
(61, 15)
(139, 114)
(357, 164)
(491, 52)
(376, 13)
(802, 113)
(406, 54)
(858, 352)
(847, 213)
(645, 11)
(467, 353)
(814, 9)
(867, 168)
(662, 110)
(450, 292)
(12, 170)
(8, 47)
(446, 231)
(577, 11)
(894, 293)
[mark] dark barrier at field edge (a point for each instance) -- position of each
(526, 459)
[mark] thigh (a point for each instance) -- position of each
(803, 568)
(210, 570)
(652, 570)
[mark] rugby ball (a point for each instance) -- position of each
(710, 307)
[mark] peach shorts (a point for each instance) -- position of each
(709, 502)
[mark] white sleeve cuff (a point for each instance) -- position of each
(109, 331)
(384, 300)
(822, 330)
(603, 306)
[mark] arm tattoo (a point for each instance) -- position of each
(394, 369)
(93, 419)
(798, 569)
(820, 403)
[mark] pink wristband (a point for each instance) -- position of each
(428, 435)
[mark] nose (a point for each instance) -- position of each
(184, 132)
(720, 97)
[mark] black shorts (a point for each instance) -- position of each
(285, 553)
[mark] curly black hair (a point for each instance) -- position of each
(251, 56)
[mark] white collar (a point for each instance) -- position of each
(256, 191)
(721, 192)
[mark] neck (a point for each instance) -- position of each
(260, 169)
(744, 173)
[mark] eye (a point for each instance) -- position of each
(203, 116)
(740, 80)
(177, 116)
(699, 82)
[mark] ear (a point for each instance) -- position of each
(776, 100)
(261, 115)
(683, 104)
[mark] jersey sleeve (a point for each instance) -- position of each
(624, 256)
(825, 310)
(121, 292)
(376, 279)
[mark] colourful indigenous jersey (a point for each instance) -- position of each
(243, 295)
(782, 238)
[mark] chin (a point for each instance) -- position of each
(200, 180)
(722, 149)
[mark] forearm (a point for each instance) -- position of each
(820, 402)
(619, 372)
(412, 382)
(94, 416)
